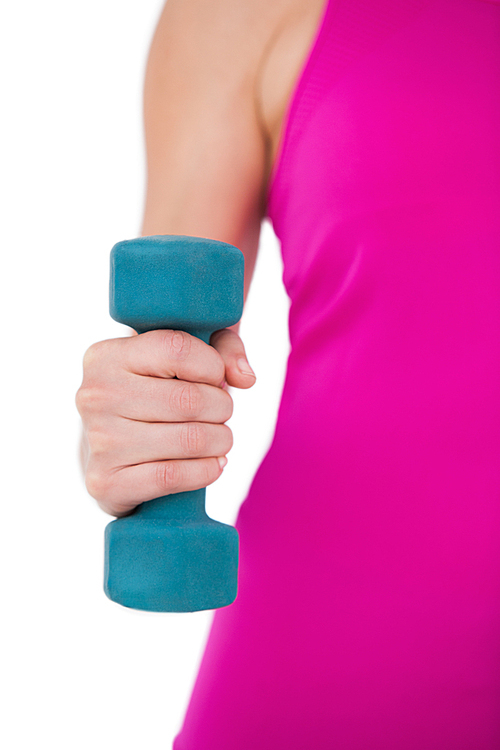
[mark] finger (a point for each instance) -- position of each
(231, 349)
(160, 400)
(173, 354)
(119, 493)
(158, 442)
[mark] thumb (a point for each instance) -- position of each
(230, 347)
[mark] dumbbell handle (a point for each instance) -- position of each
(180, 506)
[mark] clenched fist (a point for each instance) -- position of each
(153, 408)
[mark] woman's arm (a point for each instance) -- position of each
(152, 406)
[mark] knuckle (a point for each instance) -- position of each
(176, 344)
(93, 399)
(187, 400)
(100, 442)
(83, 400)
(94, 402)
(192, 439)
(97, 485)
(94, 354)
(168, 476)
(90, 356)
(86, 400)
(102, 485)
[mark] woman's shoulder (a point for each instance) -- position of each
(253, 36)
(218, 78)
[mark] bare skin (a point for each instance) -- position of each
(218, 81)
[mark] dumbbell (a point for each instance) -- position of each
(169, 555)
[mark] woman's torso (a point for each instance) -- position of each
(368, 612)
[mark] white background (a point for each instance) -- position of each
(77, 670)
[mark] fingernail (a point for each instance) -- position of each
(244, 367)
(222, 461)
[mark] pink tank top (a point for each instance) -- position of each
(368, 613)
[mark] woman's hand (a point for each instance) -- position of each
(153, 409)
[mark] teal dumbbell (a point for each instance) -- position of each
(169, 555)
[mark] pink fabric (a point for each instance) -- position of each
(368, 614)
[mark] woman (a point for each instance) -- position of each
(368, 613)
